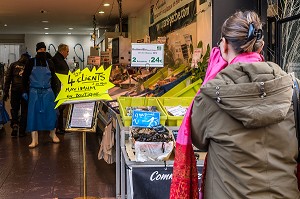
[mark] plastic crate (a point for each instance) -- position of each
(174, 101)
(184, 90)
(165, 88)
(139, 101)
(162, 74)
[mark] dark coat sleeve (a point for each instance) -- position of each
(26, 75)
(199, 123)
(54, 83)
(60, 64)
(61, 67)
(8, 78)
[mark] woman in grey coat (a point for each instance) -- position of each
(245, 119)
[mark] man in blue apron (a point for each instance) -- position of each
(39, 87)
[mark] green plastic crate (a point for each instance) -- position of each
(162, 74)
(174, 101)
(139, 101)
(184, 90)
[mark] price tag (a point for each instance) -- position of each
(177, 110)
(147, 55)
(196, 57)
(145, 118)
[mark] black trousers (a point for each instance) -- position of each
(60, 119)
(17, 103)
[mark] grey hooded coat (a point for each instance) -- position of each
(244, 118)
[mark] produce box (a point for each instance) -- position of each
(176, 104)
(184, 89)
(165, 88)
(162, 74)
(152, 144)
(125, 102)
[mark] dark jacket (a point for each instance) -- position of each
(245, 118)
(60, 66)
(40, 61)
(13, 77)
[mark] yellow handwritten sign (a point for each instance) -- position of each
(84, 85)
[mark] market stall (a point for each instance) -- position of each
(137, 177)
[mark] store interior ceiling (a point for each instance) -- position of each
(64, 16)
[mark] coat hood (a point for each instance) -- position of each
(257, 94)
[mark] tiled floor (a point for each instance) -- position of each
(53, 170)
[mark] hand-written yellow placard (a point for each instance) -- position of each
(84, 85)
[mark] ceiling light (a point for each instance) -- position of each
(106, 4)
(5, 24)
(46, 33)
(101, 12)
(45, 21)
(69, 33)
(46, 28)
(70, 28)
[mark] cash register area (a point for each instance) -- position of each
(53, 170)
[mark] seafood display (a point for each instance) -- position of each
(155, 134)
(130, 109)
(152, 144)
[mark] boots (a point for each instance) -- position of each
(34, 137)
(15, 129)
(22, 133)
(55, 139)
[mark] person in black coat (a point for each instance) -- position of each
(61, 67)
(13, 80)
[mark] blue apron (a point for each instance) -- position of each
(41, 112)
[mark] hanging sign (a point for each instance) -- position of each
(168, 17)
(93, 60)
(147, 55)
(145, 118)
(84, 85)
(105, 57)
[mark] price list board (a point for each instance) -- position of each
(147, 55)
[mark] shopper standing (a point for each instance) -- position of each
(38, 81)
(244, 118)
(61, 67)
(13, 82)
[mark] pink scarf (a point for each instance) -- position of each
(184, 183)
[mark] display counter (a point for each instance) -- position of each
(138, 180)
(146, 180)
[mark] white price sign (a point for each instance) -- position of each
(147, 55)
